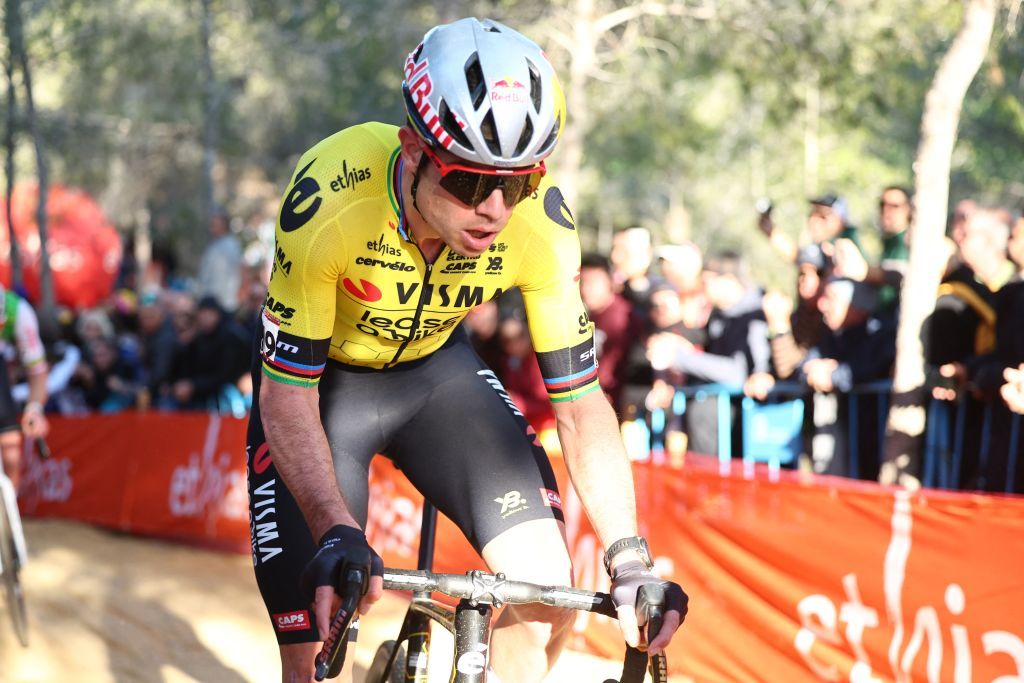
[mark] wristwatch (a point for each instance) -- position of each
(637, 543)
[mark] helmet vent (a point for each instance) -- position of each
(490, 133)
(552, 137)
(451, 125)
(475, 80)
(535, 94)
(525, 138)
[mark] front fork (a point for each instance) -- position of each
(10, 501)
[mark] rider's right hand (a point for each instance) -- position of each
(322, 576)
(627, 580)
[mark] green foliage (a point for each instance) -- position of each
(704, 107)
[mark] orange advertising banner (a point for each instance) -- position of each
(802, 579)
(173, 475)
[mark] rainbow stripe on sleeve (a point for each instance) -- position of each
(289, 358)
(569, 373)
(292, 373)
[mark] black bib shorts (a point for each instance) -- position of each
(444, 420)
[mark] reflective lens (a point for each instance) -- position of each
(474, 188)
(471, 187)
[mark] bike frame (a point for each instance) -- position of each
(10, 503)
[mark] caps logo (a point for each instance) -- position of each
(292, 621)
(551, 498)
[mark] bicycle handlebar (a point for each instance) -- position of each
(481, 588)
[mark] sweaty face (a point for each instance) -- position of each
(468, 230)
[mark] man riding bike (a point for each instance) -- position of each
(19, 334)
(386, 238)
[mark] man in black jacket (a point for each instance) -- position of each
(858, 346)
(217, 356)
(737, 343)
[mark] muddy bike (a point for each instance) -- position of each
(12, 557)
(405, 659)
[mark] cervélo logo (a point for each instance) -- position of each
(292, 621)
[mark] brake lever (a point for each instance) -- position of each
(650, 610)
(42, 448)
(331, 658)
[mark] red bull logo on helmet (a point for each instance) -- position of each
(508, 89)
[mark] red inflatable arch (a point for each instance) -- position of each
(84, 249)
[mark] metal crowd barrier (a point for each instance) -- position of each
(777, 441)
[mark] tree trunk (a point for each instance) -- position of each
(48, 304)
(11, 30)
(209, 120)
(581, 65)
(906, 423)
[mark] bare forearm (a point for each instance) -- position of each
(598, 466)
(298, 445)
(37, 392)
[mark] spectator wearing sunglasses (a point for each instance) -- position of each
(385, 239)
(895, 213)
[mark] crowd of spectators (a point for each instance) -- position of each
(667, 318)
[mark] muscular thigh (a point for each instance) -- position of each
(471, 452)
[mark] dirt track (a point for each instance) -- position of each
(109, 607)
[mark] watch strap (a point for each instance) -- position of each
(637, 543)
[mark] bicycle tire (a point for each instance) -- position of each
(375, 674)
(12, 582)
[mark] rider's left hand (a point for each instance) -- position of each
(627, 578)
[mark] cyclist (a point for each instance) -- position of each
(19, 332)
(386, 238)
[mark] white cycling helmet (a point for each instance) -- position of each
(485, 93)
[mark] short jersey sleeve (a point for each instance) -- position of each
(26, 335)
(563, 336)
(298, 316)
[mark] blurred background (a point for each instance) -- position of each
(681, 113)
(742, 177)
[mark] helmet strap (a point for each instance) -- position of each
(416, 182)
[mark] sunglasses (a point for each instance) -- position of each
(472, 185)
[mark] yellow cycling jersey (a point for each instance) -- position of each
(348, 284)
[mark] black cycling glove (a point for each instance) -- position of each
(341, 548)
(630, 576)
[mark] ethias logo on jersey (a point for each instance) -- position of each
(349, 177)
